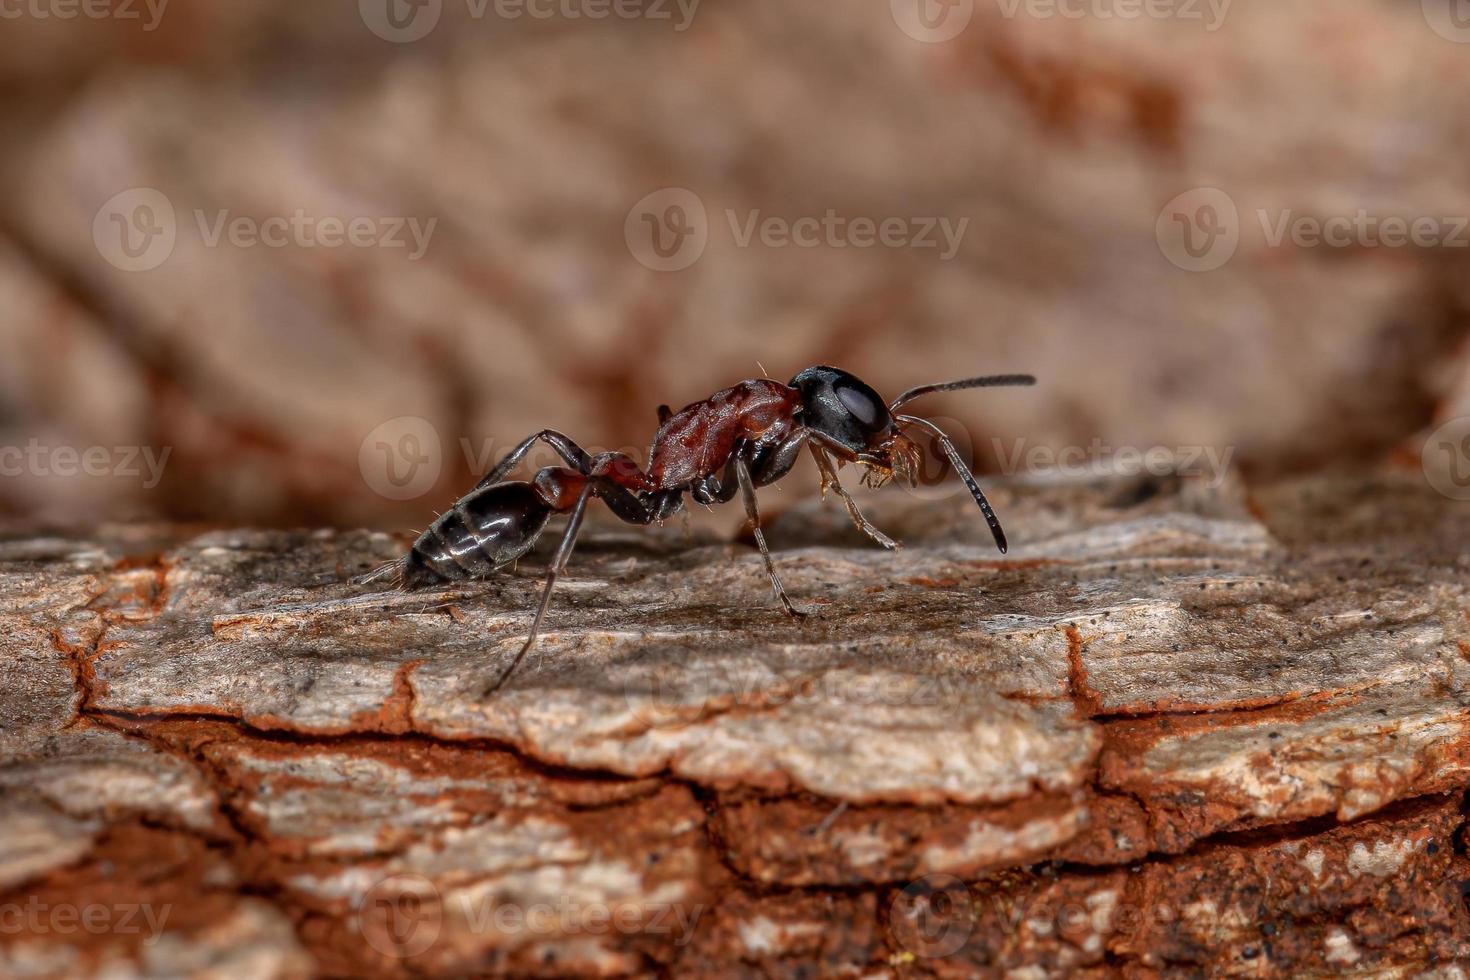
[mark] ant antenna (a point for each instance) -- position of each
(965, 474)
(990, 381)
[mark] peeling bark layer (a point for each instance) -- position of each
(1178, 729)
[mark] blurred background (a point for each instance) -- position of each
(281, 263)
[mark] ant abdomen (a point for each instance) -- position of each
(484, 531)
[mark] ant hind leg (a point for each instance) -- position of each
(575, 456)
(558, 564)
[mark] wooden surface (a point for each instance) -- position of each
(1179, 728)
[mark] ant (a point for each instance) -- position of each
(743, 437)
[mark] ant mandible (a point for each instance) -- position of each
(738, 439)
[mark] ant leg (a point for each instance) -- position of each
(568, 450)
(830, 481)
(747, 491)
(558, 563)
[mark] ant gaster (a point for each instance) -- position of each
(738, 439)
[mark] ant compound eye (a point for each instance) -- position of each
(863, 406)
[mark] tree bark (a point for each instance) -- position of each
(1179, 728)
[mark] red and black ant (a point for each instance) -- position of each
(736, 440)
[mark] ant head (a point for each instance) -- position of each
(843, 408)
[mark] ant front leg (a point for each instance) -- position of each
(830, 481)
(747, 492)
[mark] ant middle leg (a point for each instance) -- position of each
(747, 493)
